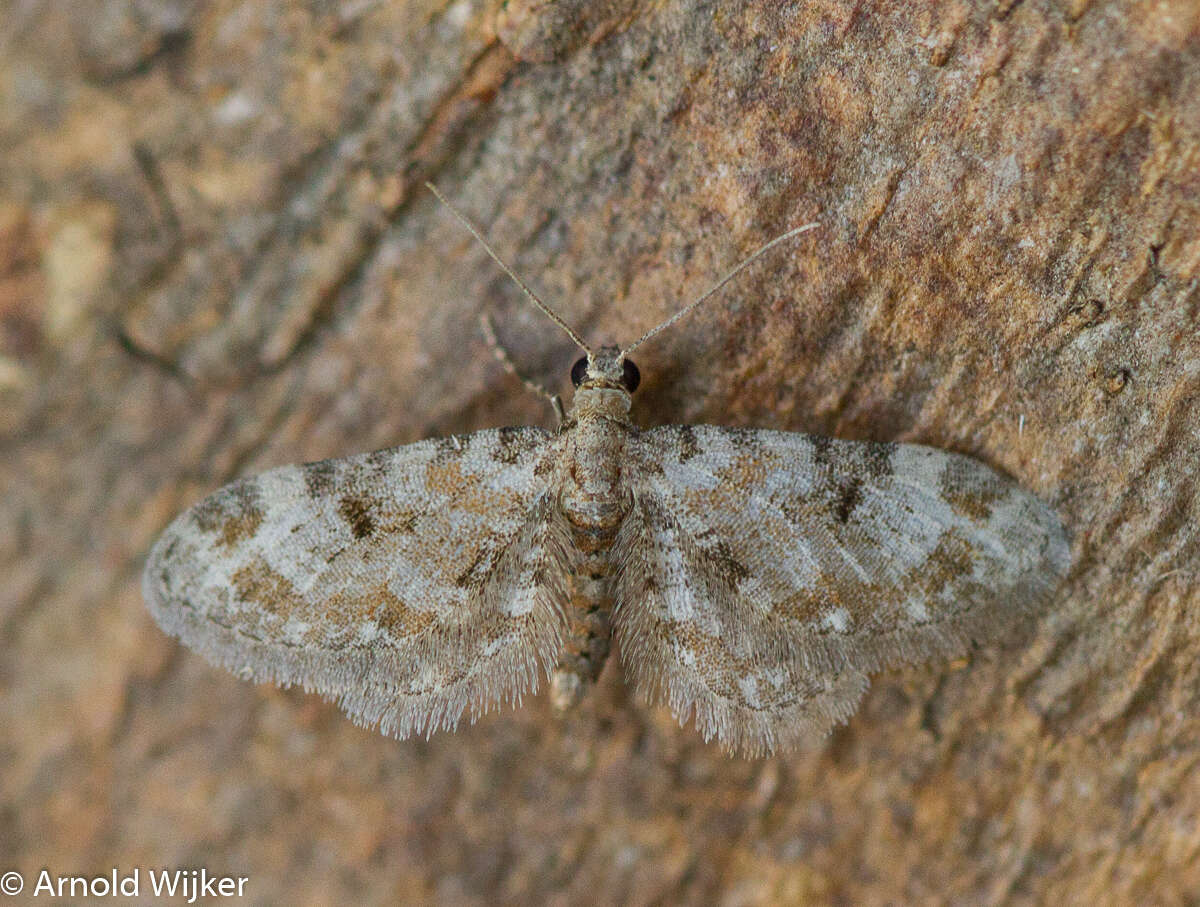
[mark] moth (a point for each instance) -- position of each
(751, 579)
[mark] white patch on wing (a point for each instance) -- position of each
(748, 685)
(915, 608)
(837, 620)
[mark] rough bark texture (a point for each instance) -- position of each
(216, 256)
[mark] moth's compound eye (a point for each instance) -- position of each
(579, 371)
(630, 376)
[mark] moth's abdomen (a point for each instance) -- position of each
(588, 634)
(593, 519)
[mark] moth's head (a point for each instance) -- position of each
(607, 368)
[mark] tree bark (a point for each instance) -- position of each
(217, 255)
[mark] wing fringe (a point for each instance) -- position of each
(380, 686)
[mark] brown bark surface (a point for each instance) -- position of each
(216, 256)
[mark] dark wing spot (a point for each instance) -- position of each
(509, 446)
(877, 456)
(844, 468)
(358, 513)
(743, 438)
(380, 460)
(402, 523)
(233, 514)
(728, 566)
(849, 496)
(447, 448)
(318, 478)
(822, 451)
(688, 446)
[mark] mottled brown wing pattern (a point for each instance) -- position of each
(413, 585)
(684, 640)
(759, 559)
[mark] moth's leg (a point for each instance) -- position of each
(501, 354)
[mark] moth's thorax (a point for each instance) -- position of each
(594, 496)
(610, 403)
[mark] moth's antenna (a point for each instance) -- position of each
(550, 313)
(746, 262)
